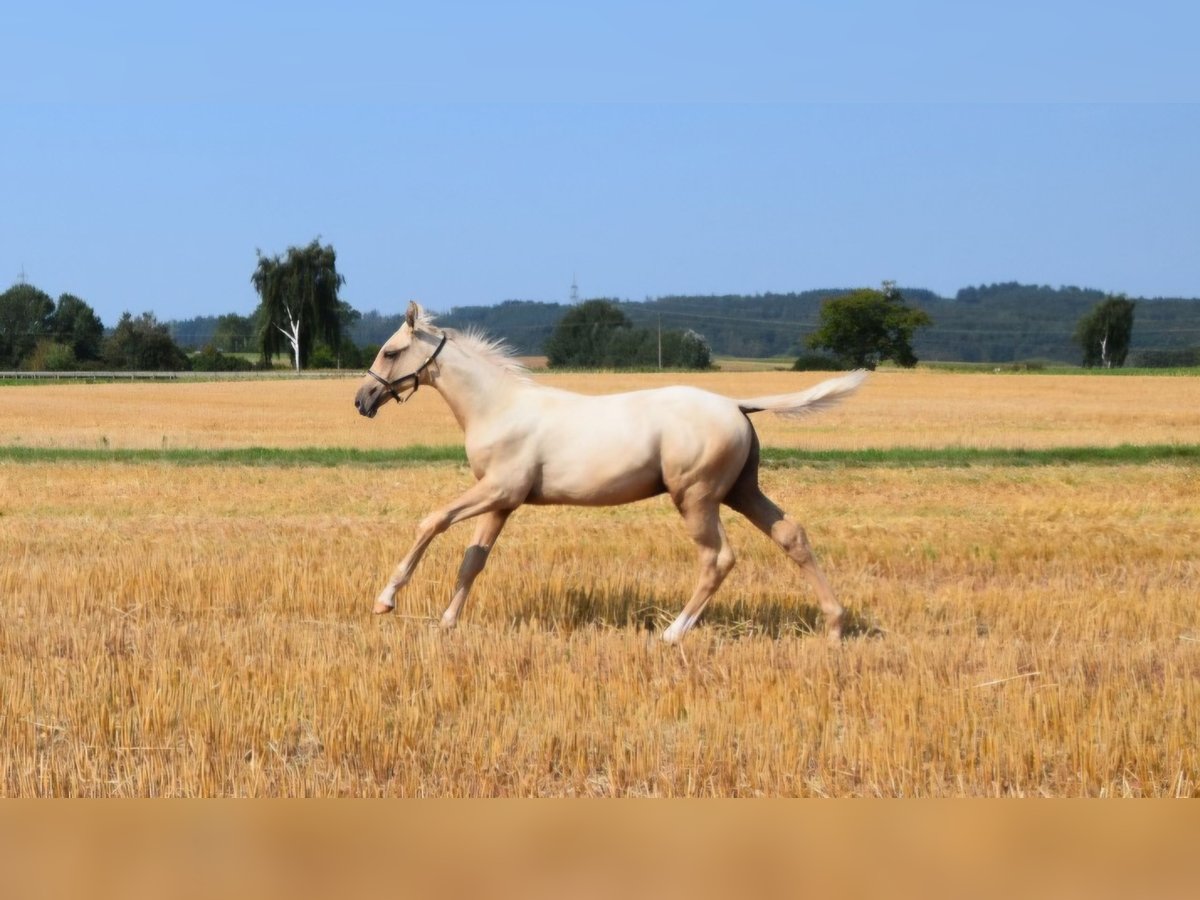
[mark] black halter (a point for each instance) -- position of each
(394, 387)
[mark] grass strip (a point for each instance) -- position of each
(243, 456)
(963, 457)
(773, 457)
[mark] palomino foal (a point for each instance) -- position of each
(527, 443)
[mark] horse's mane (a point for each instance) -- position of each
(479, 343)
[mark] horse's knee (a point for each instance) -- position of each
(433, 524)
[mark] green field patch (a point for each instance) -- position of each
(243, 456)
(958, 457)
(773, 457)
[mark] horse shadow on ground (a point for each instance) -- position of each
(581, 607)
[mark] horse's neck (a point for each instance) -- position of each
(473, 388)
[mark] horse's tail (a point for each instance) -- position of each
(817, 398)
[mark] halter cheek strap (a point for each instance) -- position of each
(394, 387)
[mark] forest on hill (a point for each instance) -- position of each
(990, 323)
(998, 323)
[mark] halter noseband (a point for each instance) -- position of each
(415, 377)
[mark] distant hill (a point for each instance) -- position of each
(990, 323)
(1011, 321)
(735, 325)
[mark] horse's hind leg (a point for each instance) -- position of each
(716, 559)
(473, 562)
(752, 503)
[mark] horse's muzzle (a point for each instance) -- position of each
(366, 401)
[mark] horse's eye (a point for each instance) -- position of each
(390, 354)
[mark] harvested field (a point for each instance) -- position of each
(894, 409)
(206, 632)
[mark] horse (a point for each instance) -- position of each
(529, 443)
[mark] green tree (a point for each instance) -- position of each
(866, 326)
(630, 348)
(682, 349)
(143, 345)
(1104, 333)
(299, 300)
(76, 324)
(24, 319)
(598, 334)
(584, 335)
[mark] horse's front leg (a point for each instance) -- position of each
(486, 532)
(480, 498)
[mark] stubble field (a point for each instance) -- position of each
(204, 630)
(896, 409)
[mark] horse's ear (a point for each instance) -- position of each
(413, 314)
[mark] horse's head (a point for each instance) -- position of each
(400, 364)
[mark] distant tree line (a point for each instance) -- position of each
(38, 333)
(997, 323)
(36, 330)
(300, 300)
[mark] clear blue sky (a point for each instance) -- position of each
(464, 153)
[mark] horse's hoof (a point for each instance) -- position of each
(381, 608)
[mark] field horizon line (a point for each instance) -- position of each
(772, 457)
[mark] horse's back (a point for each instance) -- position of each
(676, 414)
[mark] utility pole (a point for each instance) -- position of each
(574, 290)
(660, 342)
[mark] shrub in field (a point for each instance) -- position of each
(817, 362)
(210, 359)
(346, 356)
(50, 356)
(1165, 359)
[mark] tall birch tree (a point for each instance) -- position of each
(299, 293)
